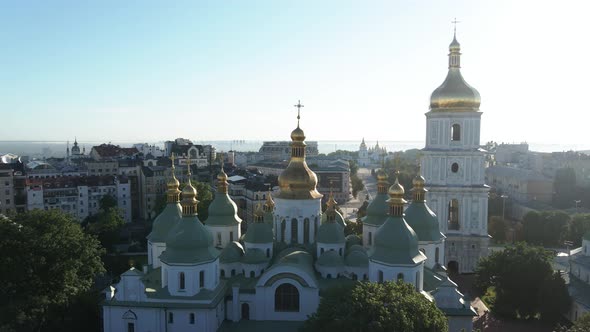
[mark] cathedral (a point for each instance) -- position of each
(203, 275)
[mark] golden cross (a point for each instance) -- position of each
(298, 111)
(455, 23)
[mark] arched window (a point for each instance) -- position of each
(170, 318)
(231, 236)
(453, 215)
(370, 238)
(365, 276)
(191, 318)
(294, 230)
(329, 276)
(340, 251)
(436, 255)
(380, 276)
(287, 298)
(354, 277)
(321, 251)
(455, 168)
(400, 277)
(283, 226)
(306, 231)
(181, 281)
(222, 273)
(456, 132)
(267, 252)
(218, 238)
(233, 272)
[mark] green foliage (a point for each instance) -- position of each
(580, 325)
(366, 306)
(579, 225)
(354, 167)
(106, 225)
(547, 228)
(497, 229)
(520, 276)
(204, 196)
(107, 202)
(47, 261)
(357, 185)
(353, 227)
(489, 298)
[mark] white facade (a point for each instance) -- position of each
(455, 172)
(296, 218)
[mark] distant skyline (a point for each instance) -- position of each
(139, 71)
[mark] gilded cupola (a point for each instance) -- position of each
(454, 94)
(189, 195)
(297, 181)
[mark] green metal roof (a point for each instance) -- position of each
(396, 243)
(431, 280)
(189, 242)
(255, 256)
(423, 221)
(353, 239)
(223, 211)
(164, 222)
(338, 218)
(259, 233)
(356, 247)
(377, 211)
(330, 232)
(268, 217)
(232, 253)
(330, 258)
(357, 258)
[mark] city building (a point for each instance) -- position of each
(7, 192)
(280, 150)
(197, 277)
(521, 185)
(453, 164)
(147, 149)
(78, 196)
(363, 160)
(112, 152)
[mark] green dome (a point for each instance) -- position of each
(423, 221)
(259, 233)
(223, 211)
(339, 219)
(357, 258)
(164, 222)
(377, 210)
(356, 247)
(255, 256)
(232, 253)
(396, 243)
(330, 258)
(330, 232)
(353, 239)
(189, 242)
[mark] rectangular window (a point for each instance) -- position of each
(202, 279)
(130, 327)
(7, 202)
(170, 318)
(231, 236)
(192, 318)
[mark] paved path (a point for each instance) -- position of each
(350, 208)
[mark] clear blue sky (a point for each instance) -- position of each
(207, 70)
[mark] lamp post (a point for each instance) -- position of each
(504, 206)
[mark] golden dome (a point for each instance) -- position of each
(258, 213)
(269, 204)
(172, 184)
(396, 189)
(331, 203)
(297, 181)
(454, 94)
(189, 193)
(418, 181)
(222, 177)
(297, 135)
(381, 175)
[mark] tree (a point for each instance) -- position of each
(367, 306)
(580, 325)
(47, 260)
(520, 276)
(579, 225)
(548, 228)
(106, 225)
(497, 228)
